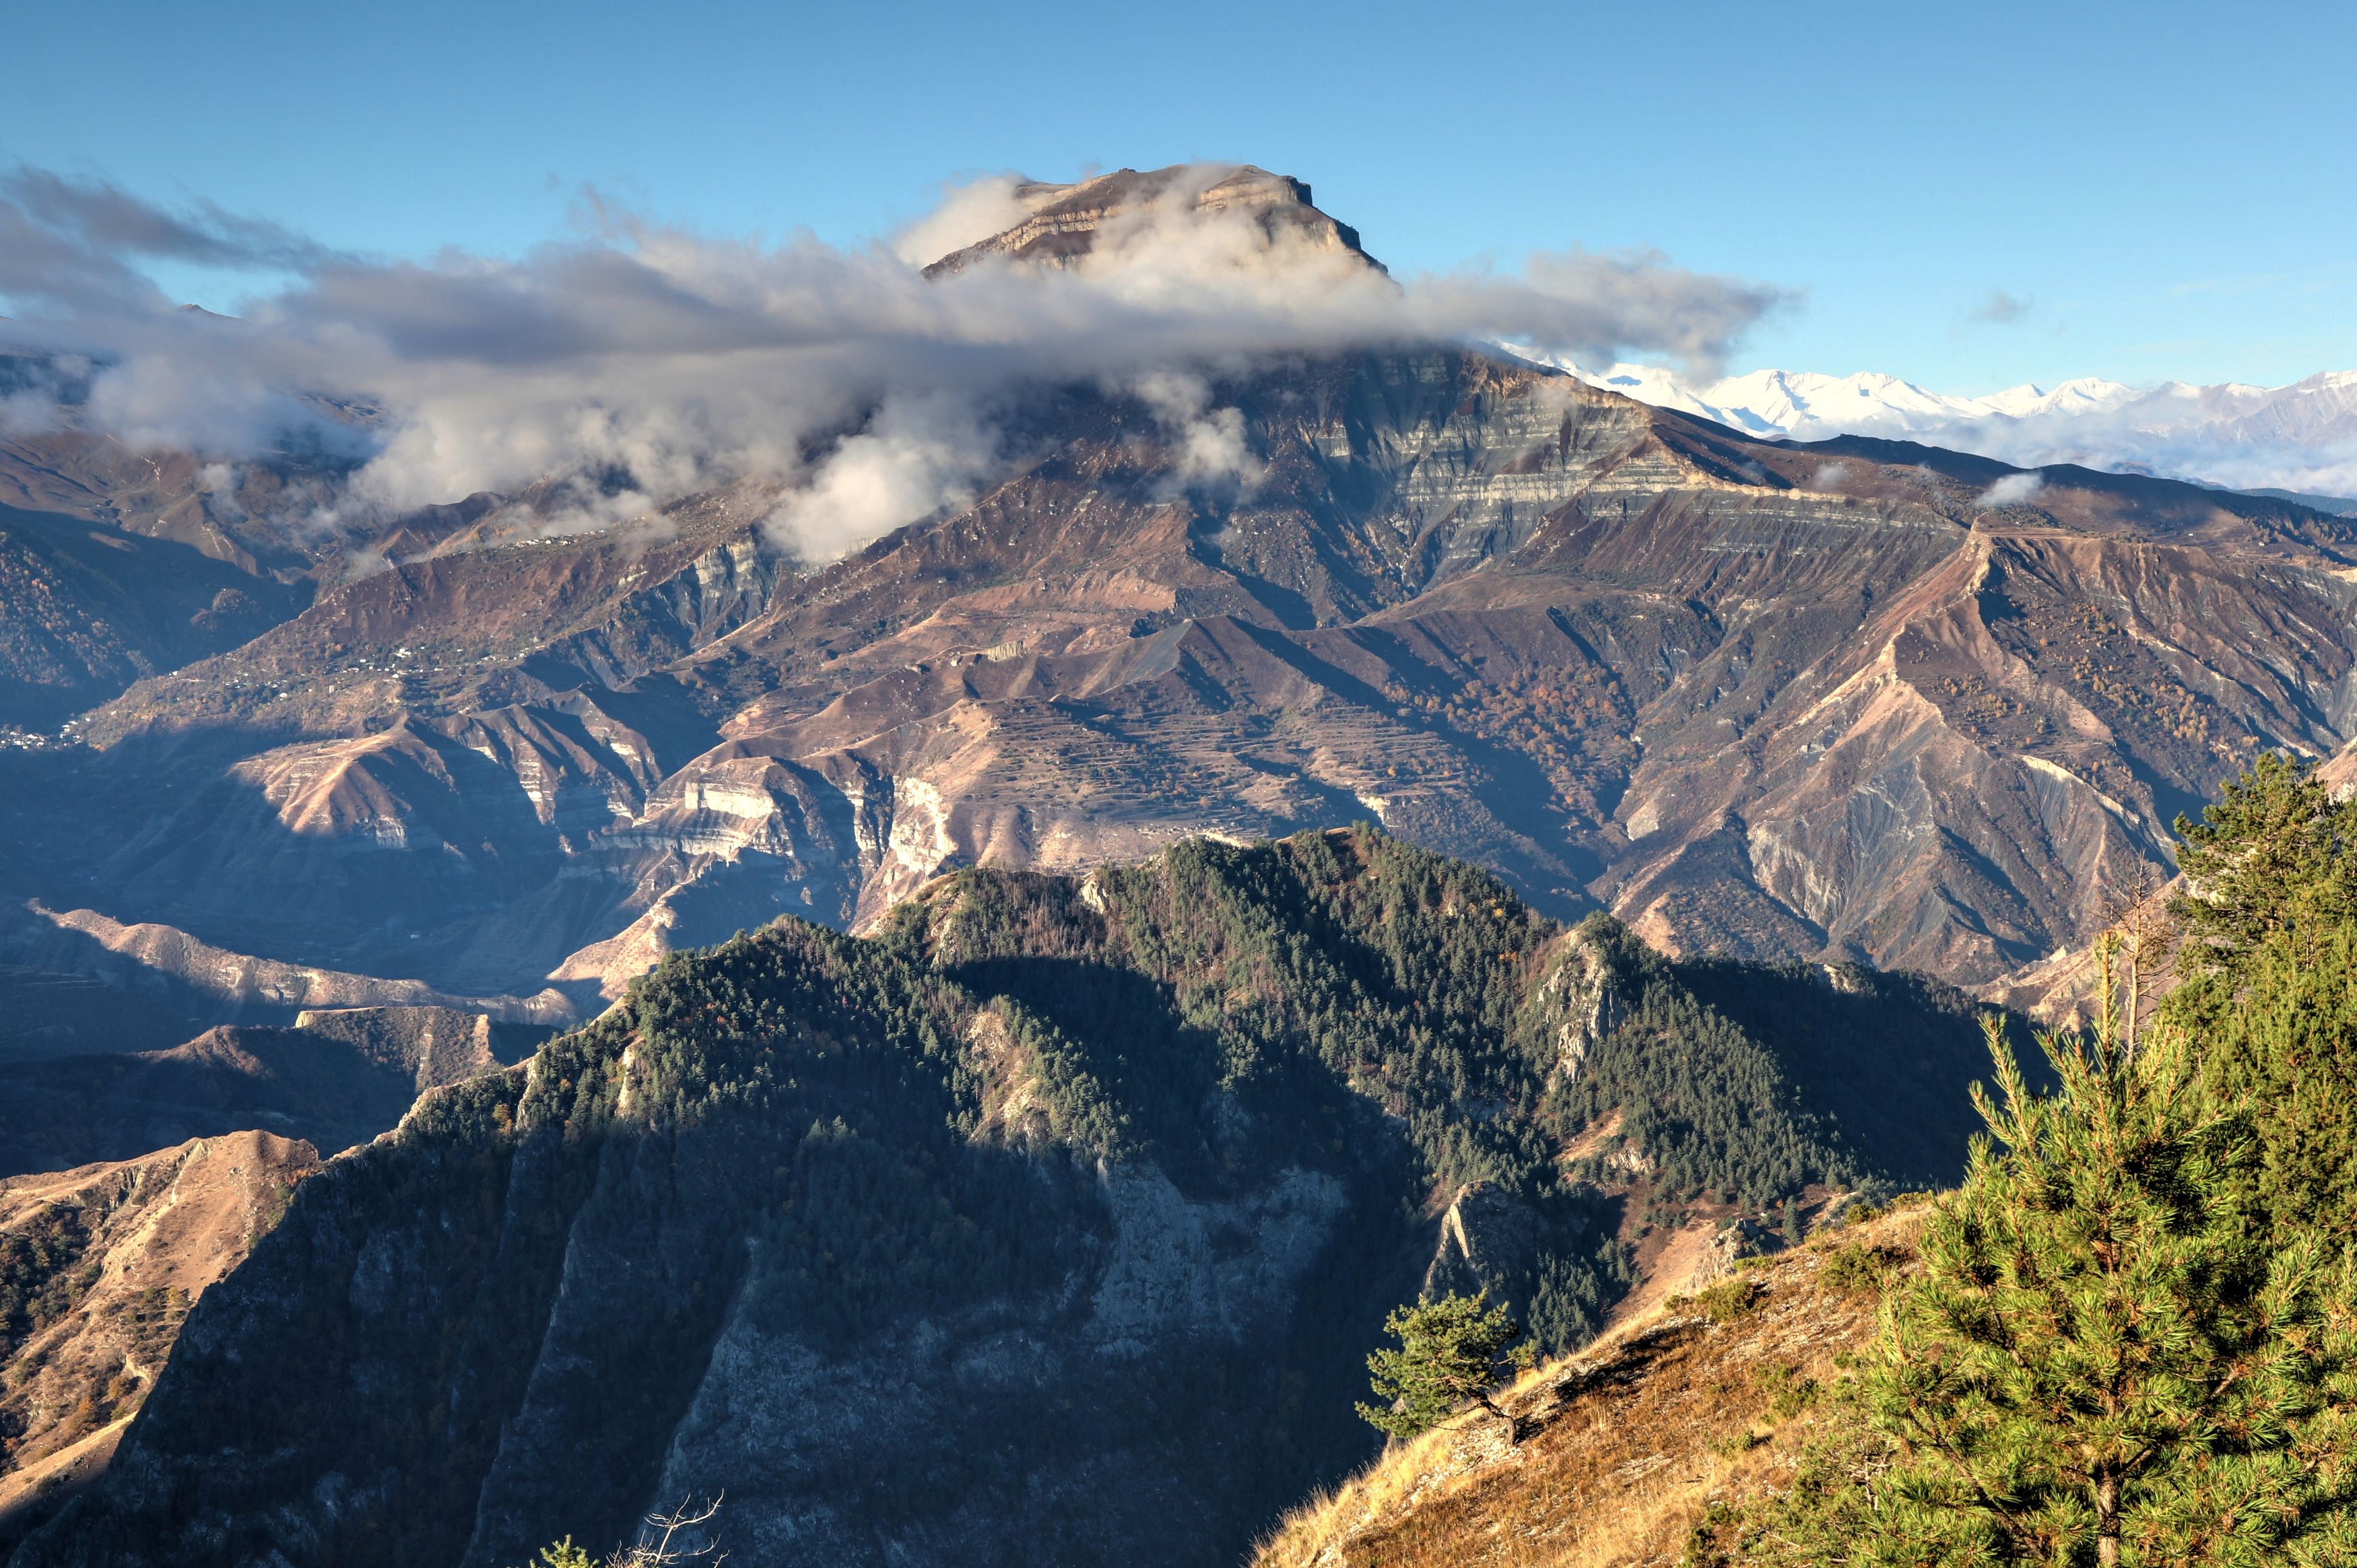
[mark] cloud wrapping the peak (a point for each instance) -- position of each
(965, 214)
(1209, 449)
(635, 363)
(918, 456)
(1564, 299)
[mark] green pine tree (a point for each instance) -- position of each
(2270, 985)
(2284, 1046)
(2274, 851)
(1452, 1352)
(562, 1554)
(2100, 1361)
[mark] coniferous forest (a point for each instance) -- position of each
(1150, 1154)
(2130, 1335)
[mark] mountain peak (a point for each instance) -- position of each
(1064, 221)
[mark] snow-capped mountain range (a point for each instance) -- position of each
(2300, 438)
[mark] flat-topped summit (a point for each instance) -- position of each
(1066, 220)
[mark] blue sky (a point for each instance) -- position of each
(2158, 190)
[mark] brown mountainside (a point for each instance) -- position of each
(86, 609)
(1625, 1446)
(336, 1080)
(100, 1267)
(1827, 701)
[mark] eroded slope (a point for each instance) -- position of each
(100, 1267)
(1830, 703)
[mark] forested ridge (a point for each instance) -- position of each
(1174, 1137)
(2126, 1336)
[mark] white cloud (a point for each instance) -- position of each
(966, 213)
(637, 363)
(918, 456)
(2012, 489)
(1209, 446)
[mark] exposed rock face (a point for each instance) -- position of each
(1183, 1282)
(1067, 221)
(102, 1265)
(1489, 1240)
(1806, 703)
(434, 1046)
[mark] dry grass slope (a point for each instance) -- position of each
(1625, 1446)
(151, 1235)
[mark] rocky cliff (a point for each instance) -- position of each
(1065, 224)
(924, 1245)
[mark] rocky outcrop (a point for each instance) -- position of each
(434, 1046)
(1065, 224)
(1583, 997)
(1489, 1242)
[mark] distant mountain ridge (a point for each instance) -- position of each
(2298, 441)
(1863, 699)
(338, 1079)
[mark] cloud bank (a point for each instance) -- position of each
(633, 363)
